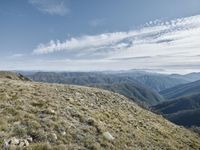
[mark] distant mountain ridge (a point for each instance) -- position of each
(182, 111)
(182, 90)
(120, 83)
(139, 85)
(195, 76)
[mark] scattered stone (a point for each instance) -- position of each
(14, 142)
(63, 133)
(108, 136)
(52, 111)
(71, 100)
(54, 136)
(7, 96)
(95, 146)
(30, 139)
(91, 121)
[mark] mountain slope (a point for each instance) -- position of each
(136, 92)
(183, 111)
(13, 76)
(52, 116)
(78, 78)
(155, 81)
(119, 83)
(160, 82)
(182, 90)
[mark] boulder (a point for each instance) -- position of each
(108, 136)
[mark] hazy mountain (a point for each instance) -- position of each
(155, 81)
(54, 116)
(191, 77)
(160, 82)
(79, 78)
(183, 111)
(125, 84)
(182, 90)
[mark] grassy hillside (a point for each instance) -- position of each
(51, 116)
(13, 76)
(182, 90)
(183, 111)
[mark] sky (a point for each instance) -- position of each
(97, 35)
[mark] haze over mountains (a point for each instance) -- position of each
(57, 116)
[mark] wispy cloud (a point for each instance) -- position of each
(154, 45)
(97, 22)
(16, 55)
(52, 7)
(156, 38)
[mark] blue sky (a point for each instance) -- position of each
(77, 35)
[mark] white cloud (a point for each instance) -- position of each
(52, 7)
(158, 44)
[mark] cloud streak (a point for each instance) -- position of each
(52, 7)
(163, 36)
(154, 45)
(97, 22)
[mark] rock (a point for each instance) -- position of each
(108, 136)
(63, 133)
(30, 139)
(52, 111)
(90, 121)
(7, 96)
(54, 136)
(14, 142)
(71, 100)
(26, 143)
(95, 146)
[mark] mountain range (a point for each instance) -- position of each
(139, 85)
